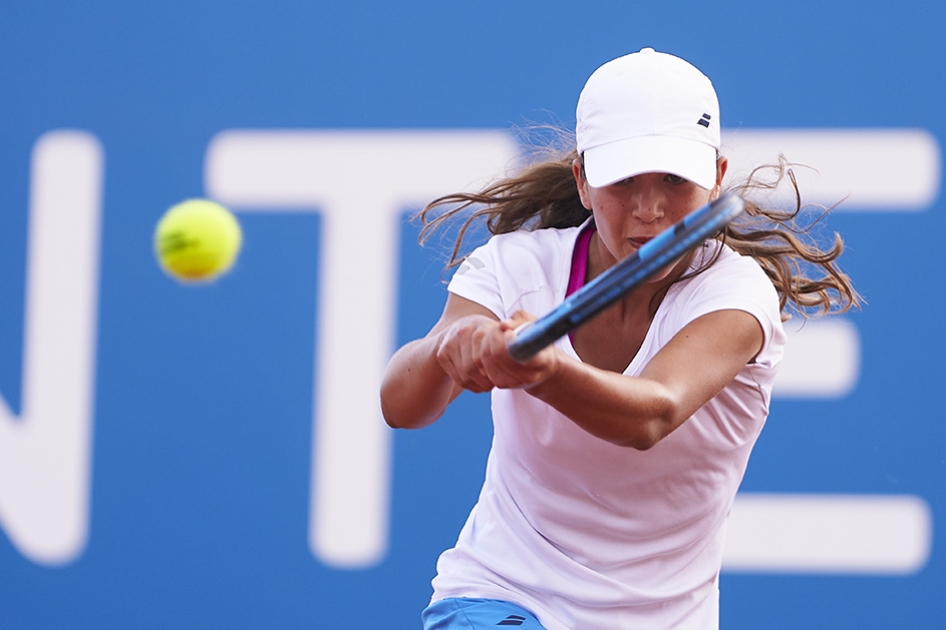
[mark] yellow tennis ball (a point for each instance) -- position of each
(197, 240)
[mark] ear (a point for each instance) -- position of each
(722, 165)
(582, 183)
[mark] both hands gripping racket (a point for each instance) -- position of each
(627, 274)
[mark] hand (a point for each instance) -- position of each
(507, 373)
(473, 352)
(459, 351)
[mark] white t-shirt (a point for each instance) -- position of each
(586, 534)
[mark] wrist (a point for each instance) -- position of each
(550, 380)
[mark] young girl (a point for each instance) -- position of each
(617, 451)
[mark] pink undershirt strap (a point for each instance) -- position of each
(576, 278)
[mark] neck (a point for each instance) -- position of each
(648, 294)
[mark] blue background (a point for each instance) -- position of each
(203, 397)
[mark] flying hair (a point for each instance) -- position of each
(542, 194)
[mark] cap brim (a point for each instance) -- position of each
(612, 162)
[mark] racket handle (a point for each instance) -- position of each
(533, 336)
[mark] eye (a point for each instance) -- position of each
(674, 179)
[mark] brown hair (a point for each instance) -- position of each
(543, 195)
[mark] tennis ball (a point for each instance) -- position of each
(197, 241)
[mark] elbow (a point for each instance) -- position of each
(398, 418)
(395, 421)
(648, 431)
(642, 440)
(411, 398)
(396, 410)
(389, 411)
(392, 418)
(398, 422)
(646, 443)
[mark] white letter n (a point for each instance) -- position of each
(45, 454)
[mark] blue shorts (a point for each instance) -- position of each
(458, 613)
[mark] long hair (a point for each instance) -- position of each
(543, 194)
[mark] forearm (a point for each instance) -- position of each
(623, 410)
(692, 368)
(426, 375)
(415, 391)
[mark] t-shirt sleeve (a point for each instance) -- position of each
(525, 270)
(738, 283)
(476, 280)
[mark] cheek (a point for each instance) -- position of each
(701, 196)
(609, 215)
(693, 200)
(611, 232)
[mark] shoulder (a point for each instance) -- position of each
(517, 251)
(514, 265)
(542, 245)
(729, 282)
(720, 272)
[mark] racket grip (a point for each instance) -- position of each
(524, 346)
(534, 336)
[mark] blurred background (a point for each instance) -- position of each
(212, 456)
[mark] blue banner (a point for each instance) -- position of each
(202, 456)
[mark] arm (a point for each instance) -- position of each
(638, 412)
(426, 375)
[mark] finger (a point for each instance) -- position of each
(455, 360)
(478, 378)
(516, 320)
(471, 380)
(474, 353)
(509, 372)
(504, 371)
(473, 377)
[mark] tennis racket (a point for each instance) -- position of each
(627, 274)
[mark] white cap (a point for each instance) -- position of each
(648, 112)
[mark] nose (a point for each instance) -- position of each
(648, 203)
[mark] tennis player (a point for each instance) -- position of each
(617, 451)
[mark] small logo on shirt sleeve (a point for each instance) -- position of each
(474, 263)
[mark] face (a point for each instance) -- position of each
(630, 212)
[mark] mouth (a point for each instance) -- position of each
(639, 241)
